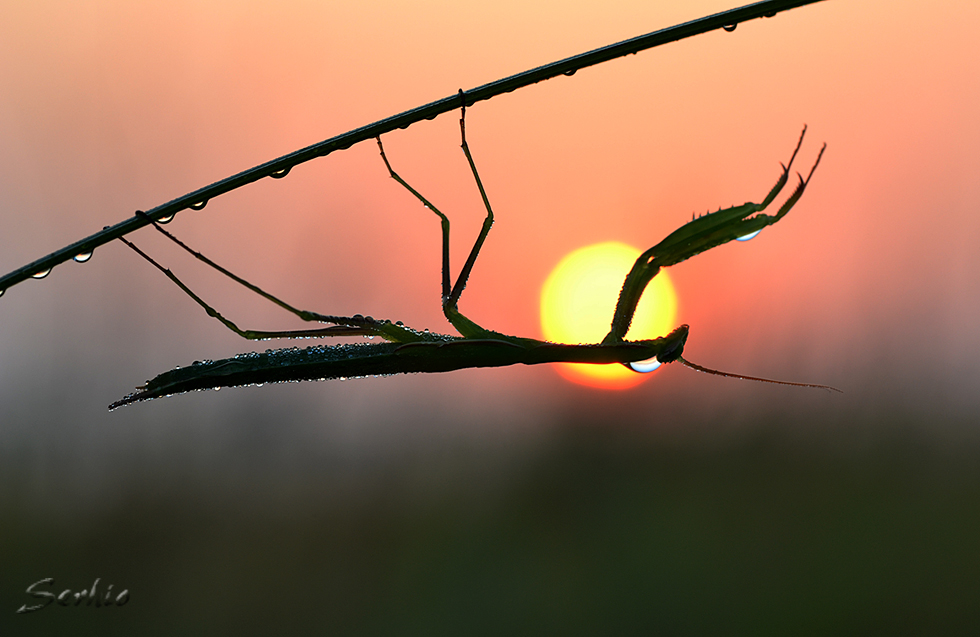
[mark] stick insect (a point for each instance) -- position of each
(406, 350)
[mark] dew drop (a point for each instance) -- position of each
(82, 257)
(41, 274)
(769, 15)
(199, 205)
(279, 174)
(645, 367)
(750, 235)
(730, 27)
(2, 291)
(569, 73)
(166, 219)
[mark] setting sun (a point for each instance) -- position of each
(577, 303)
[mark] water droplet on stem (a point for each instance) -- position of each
(82, 257)
(730, 27)
(41, 274)
(645, 367)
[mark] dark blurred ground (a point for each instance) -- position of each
(590, 529)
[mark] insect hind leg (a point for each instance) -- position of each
(342, 325)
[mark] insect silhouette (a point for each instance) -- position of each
(406, 350)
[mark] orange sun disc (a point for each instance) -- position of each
(577, 303)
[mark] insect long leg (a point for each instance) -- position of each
(444, 219)
(464, 274)
(303, 314)
(343, 325)
(450, 295)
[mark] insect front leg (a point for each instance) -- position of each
(701, 234)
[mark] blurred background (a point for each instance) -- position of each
(487, 500)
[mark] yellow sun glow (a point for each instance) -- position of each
(577, 303)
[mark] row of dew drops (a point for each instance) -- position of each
(727, 27)
(279, 174)
(82, 257)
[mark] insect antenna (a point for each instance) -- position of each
(698, 368)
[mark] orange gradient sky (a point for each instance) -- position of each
(112, 106)
(510, 495)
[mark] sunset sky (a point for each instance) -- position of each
(870, 284)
